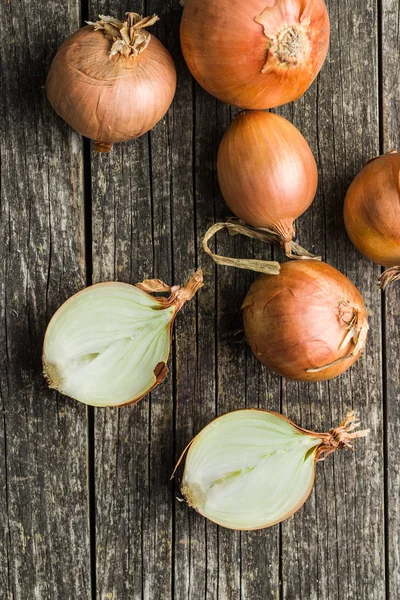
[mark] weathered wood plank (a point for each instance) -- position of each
(196, 545)
(134, 445)
(391, 139)
(249, 561)
(44, 522)
(334, 548)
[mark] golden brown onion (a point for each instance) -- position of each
(255, 53)
(372, 213)
(308, 323)
(112, 81)
(267, 172)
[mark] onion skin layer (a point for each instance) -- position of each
(298, 320)
(266, 171)
(110, 99)
(372, 210)
(255, 64)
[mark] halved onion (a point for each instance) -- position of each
(251, 469)
(108, 344)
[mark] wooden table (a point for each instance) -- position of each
(87, 509)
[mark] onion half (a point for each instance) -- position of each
(308, 323)
(372, 213)
(108, 344)
(251, 469)
(255, 54)
(267, 173)
(112, 81)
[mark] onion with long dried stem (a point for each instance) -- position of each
(303, 319)
(255, 53)
(112, 80)
(108, 344)
(267, 174)
(251, 469)
(372, 214)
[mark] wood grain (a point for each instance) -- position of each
(150, 202)
(391, 139)
(340, 530)
(134, 455)
(332, 548)
(44, 522)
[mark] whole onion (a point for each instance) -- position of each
(372, 213)
(267, 173)
(255, 53)
(308, 323)
(112, 81)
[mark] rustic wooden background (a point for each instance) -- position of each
(87, 510)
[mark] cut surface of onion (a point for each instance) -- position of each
(108, 344)
(250, 469)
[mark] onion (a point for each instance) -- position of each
(108, 344)
(267, 173)
(372, 213)
(308, 323)
(112, 81)
(251, 469)
(256, 53)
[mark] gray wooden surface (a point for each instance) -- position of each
(87, 510)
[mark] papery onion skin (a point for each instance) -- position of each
(110, 99)
(299, 320)
(200, 481)
(372, 210)
(250, 64)
(267, 172)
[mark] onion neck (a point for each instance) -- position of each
(288, 47)
(274, 235)
(341, 437)
(180, 295)
(388, 276)
(129, 38)
(338, 438)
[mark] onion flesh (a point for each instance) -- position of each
(112, 81)
(255, 54)
(251, 469)
(308, 323)
(108, 344)
(372, 213)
